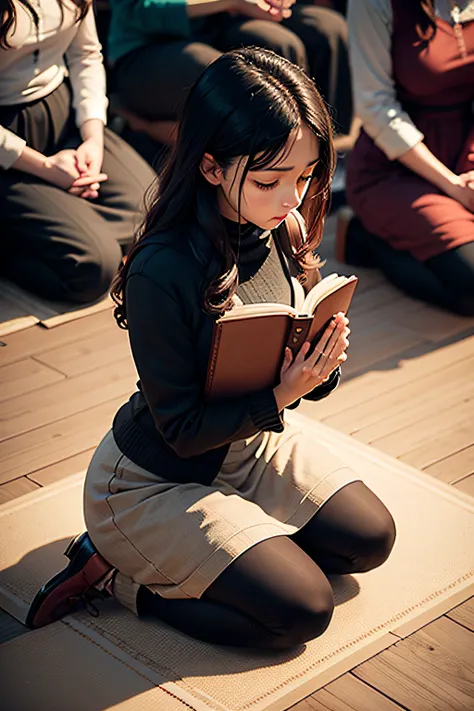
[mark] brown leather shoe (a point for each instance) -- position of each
(73, 585)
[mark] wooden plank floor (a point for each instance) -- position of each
(408, 390)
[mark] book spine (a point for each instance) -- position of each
(298, 332)
(216, 337)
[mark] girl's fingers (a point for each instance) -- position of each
(84, 193)
(328, 348)
(340, 346)
(81, 166)
(332, 348)
(321, 372)
(328, 362)
(326, 372)
(323, 341)
(280, 4)
(301, 355)
(88, 180)
(90, 194)
(287, 358)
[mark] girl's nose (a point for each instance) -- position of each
(291, 201)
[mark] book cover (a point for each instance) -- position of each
(249, 341)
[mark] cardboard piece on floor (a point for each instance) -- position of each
(19, 309)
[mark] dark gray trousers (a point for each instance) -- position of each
(153, 81)
(54, 244)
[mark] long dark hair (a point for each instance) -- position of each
(8, 16)
(248, 102)
(426, 26)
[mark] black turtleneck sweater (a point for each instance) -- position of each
(168, 427)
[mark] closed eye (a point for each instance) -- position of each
(266, 186)
(272, 185)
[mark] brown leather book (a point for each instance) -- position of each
(249, 341)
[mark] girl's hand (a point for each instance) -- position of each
(300, 375)
(87, 186)
(89, 157)
(271, 10)
(278, 8)
(62, 171)
(467, 179)
(463, 190)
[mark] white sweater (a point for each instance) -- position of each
(370, 31)
(22, 79)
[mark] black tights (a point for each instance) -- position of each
(276, 595)
(446, 281)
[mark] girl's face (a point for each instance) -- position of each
(269, 194)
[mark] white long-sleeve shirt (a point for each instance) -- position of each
(370, 31)
(22, 79)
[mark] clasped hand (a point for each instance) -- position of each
(78, 171)
(302, 373)
(272, 10)
(466, 192)
(461, 187)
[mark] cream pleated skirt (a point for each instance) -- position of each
(177, 538)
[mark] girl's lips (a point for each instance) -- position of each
(280, 217)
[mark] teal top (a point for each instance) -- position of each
(135, 23)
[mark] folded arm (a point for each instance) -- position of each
(382, 115)
(376, 104)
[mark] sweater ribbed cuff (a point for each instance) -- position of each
(264, 411)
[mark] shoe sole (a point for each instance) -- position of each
(53, 600)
